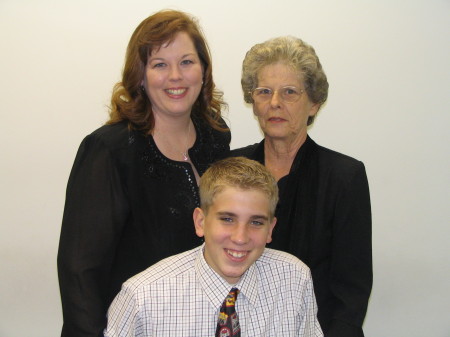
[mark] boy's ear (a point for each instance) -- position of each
(271, 226)
(199, 222)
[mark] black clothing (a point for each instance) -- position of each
(324, 218)
(127, 207)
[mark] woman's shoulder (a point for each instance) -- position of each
(336, 157)
(112, 136)
(222, 136)
(339, 166)
(110, 131)
(206, 130)
(254, 151)
(211, 143)
(246, 151)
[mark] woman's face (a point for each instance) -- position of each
(279, 119)
(173, 77)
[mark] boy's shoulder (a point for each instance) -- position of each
(172, 267)
(273, 259)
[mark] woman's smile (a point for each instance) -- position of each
(176, 92)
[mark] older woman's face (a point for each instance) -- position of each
(279, 119)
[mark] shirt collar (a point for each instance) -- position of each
(215, 288)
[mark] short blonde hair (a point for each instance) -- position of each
(293, 52)
(241, 173)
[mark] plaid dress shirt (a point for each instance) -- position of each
(181, 296)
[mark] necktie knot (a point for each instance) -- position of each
(232, 297)
(228, 322)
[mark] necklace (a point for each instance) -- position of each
(185, 152)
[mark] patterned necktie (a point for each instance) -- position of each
(228, 323)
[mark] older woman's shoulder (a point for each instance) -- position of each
(243, 151)
(250, 151)
(332, 155)
(338, 164)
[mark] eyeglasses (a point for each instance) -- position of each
(288, 94)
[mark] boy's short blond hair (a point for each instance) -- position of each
(241, 173)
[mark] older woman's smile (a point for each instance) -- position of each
(277, 119)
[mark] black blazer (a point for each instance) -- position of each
(324, 218)
(127, 207)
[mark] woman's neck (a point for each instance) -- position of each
(279, 154)
(174, 125)
(174, 137)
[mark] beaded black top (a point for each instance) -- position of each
(127, 207)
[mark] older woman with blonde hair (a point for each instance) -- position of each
(324, 214)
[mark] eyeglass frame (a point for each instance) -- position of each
(301, 91)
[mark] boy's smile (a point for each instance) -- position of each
(236, 228)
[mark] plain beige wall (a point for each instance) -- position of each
(388, 68)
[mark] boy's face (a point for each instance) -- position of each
(236, 229)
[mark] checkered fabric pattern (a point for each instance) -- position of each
(182, 296)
